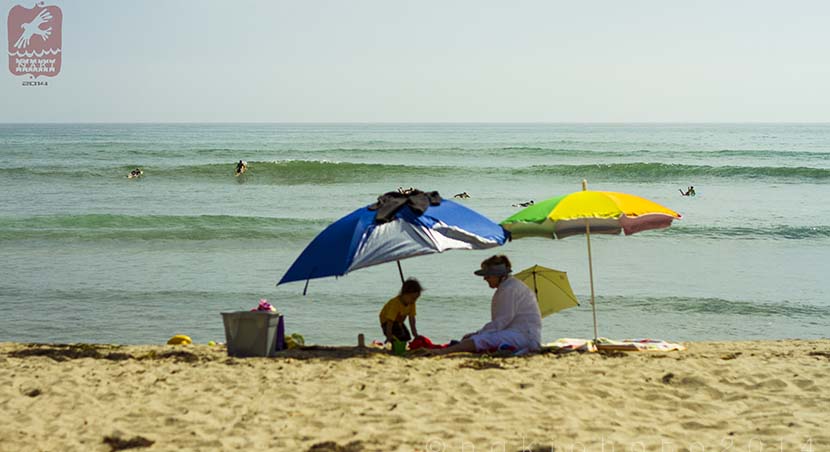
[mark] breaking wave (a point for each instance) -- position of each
(295, 172)
(158, 227)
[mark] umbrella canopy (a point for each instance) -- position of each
(604, 212)
(360, 240)
(587, 212)
(552, 289)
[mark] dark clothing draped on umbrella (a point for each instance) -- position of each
(390, 203)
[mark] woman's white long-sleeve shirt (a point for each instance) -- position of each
(514, 308)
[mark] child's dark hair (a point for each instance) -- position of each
(411, 285)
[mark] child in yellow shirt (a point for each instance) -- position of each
(397, 309)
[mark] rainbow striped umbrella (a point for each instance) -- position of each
(587, 212)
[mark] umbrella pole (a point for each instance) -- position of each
(400, 270)
(590, 266)
(305, 289)
(591, 273)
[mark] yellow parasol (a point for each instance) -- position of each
(552, 289)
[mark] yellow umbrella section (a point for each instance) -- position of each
(605, 204)
(552, 288)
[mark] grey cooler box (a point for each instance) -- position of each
(254, 333)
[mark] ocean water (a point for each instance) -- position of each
(87, 255)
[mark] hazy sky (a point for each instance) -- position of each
(432, 61)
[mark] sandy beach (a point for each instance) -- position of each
(753, 396)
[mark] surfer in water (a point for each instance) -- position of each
(136, 173)
(689, 191)
(241, 167)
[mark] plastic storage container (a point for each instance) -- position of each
(254, 333)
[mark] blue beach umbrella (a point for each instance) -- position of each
(361, 239)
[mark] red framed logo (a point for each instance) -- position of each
(35, 40)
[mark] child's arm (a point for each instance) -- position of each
(412, 326)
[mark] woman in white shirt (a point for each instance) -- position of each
(516, 320)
